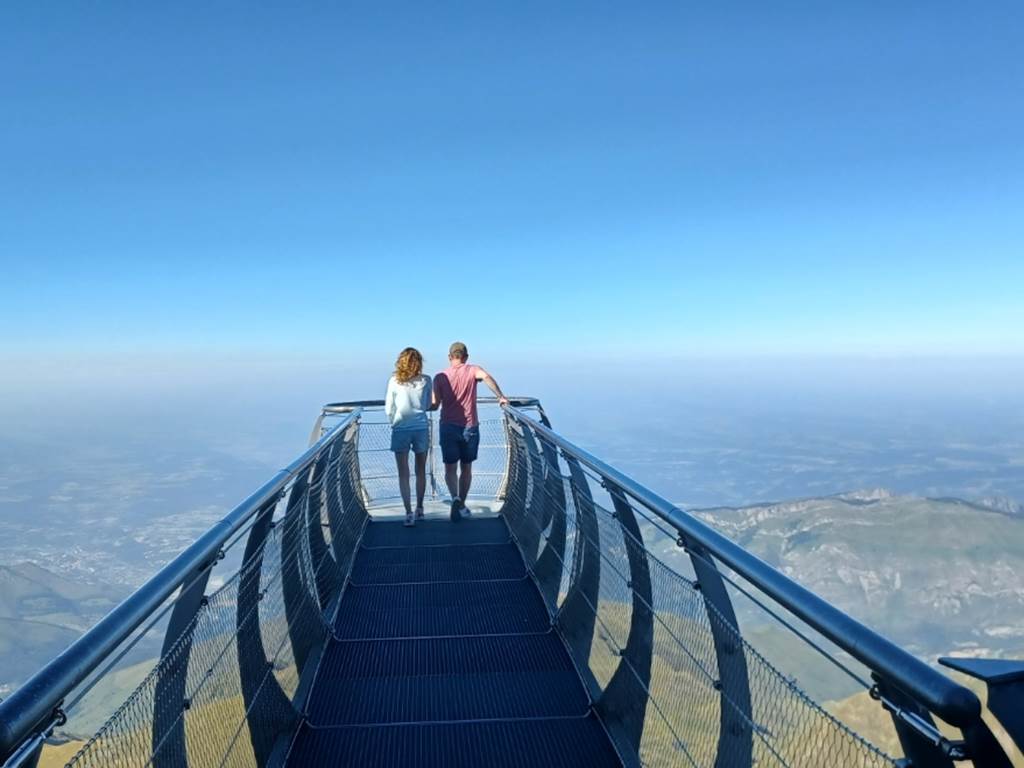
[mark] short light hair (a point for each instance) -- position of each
(458, 349)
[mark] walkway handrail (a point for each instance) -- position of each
(35, 704)
(347, 406)
(954, 703)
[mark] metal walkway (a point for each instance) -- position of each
(443, 654)
(591, 623)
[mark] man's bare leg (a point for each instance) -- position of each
(451, 479)
(465, 480)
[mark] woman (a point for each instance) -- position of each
(406, 405)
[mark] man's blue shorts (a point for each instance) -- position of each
(459, 443)
(416, 440)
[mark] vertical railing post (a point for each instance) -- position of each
(320, 555)
(431, 432)
(551, 561)
(735, 736)
(578, 613)
(516, 503)
(529, 533)
(623, 703)
(297, 605)
(347, 513)
(502, 492)
(275, 714)
(169, 702)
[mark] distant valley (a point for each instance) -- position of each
(41, 613)
(940, 576)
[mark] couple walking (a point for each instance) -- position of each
(410, 395)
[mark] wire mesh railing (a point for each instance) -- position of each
(240, 660)
(228, 687)
(662, 654)
(377, 467)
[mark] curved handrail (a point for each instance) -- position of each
(347, 405)
(954, 703)
(33, 704)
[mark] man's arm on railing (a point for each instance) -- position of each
(486, 378)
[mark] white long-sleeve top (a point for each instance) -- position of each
(406, 405)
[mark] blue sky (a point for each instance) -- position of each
(588, 180)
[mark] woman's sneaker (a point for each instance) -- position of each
(409, 521)
(419, 513)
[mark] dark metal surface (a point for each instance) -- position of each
(1005, 700)
(623, 702)
(920, 753)
(411, 565)
(551, 557)
(490, 530)
(735, 736)
(560, 743)
(299, 609)
(434, 609)
(168, 725)
(448, 666)
(578, 613)
(277, 713)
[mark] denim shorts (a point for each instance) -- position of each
(416, 440)
(459, 443)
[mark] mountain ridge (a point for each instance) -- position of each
(939, 575)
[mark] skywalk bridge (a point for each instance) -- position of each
(575, 618)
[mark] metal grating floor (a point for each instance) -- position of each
(444, 655)
(406, 565)
(495, 744)
(426, 533)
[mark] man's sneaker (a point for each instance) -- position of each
(409, 522)
(419, 513)
(464, 510)
(455, 512)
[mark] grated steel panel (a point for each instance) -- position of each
(502, 744)
(398, 681)
(473, 530)
(444, 655)
(441, 609)
(452, 563)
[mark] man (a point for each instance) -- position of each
(455, 392)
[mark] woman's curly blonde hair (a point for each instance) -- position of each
(409, 365)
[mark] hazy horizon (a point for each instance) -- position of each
(647, 415)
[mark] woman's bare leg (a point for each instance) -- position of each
(402, 459)
(421, 478)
